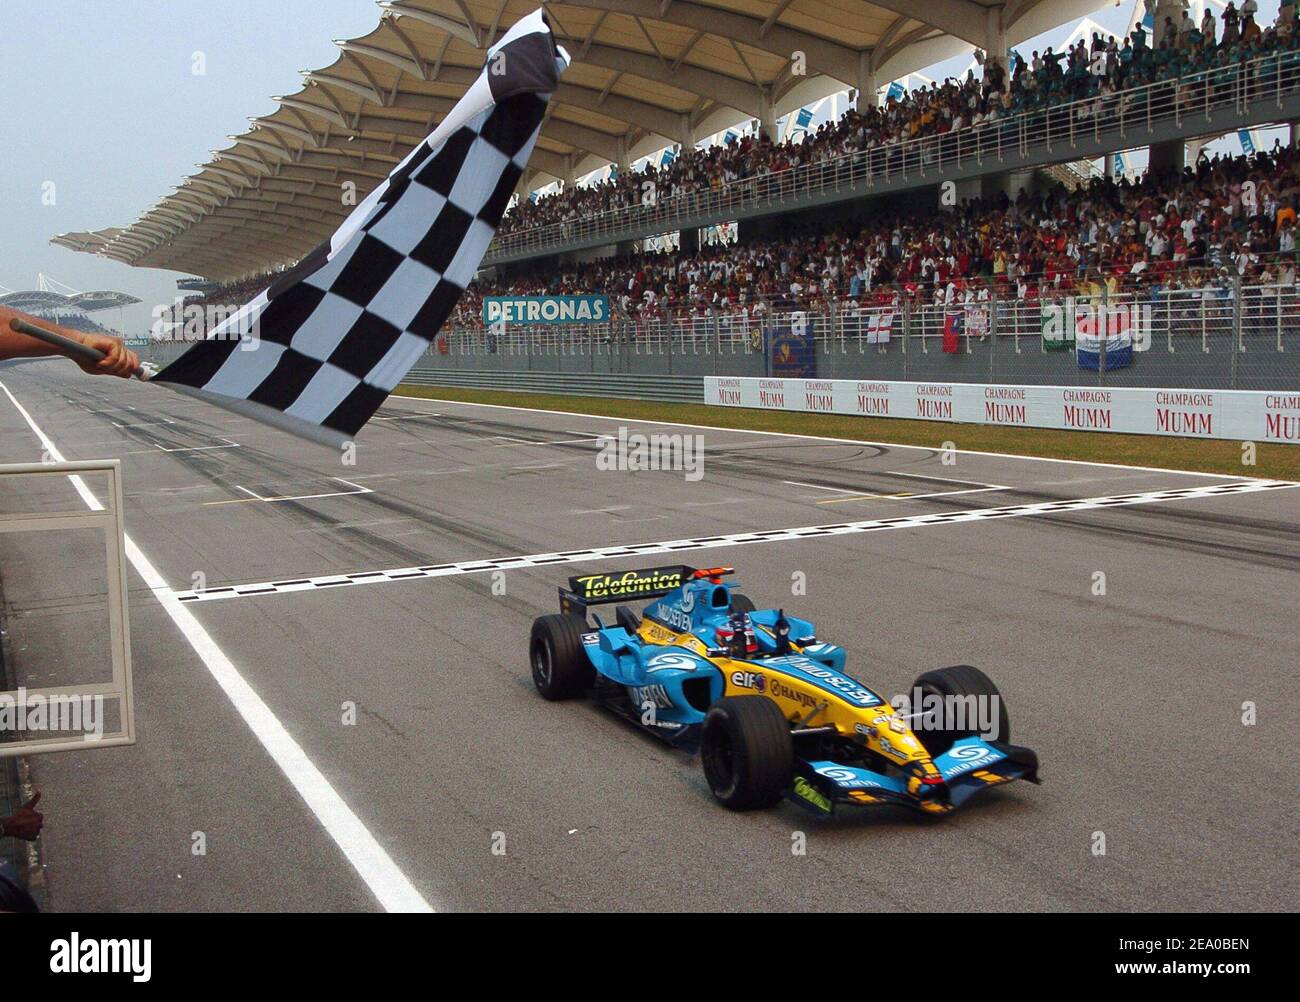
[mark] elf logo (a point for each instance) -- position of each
(102, 956)
(749, 680)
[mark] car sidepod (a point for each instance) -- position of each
(664, 690)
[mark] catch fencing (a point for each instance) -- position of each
(1223, 335)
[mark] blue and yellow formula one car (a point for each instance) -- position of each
(769, 707)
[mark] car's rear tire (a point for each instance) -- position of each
(960, 681)
(561, 668)
(741, 602)
(747, 752)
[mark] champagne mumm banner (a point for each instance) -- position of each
(1238, 415)
(333, 336)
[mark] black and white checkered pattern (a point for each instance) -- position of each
(335, 335)
(618, 551)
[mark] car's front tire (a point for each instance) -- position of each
(747, 752)
(959, 681)
(561, 668)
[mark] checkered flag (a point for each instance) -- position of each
(333, 336)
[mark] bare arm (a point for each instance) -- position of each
(118, 359)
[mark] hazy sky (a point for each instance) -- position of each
(98, 99)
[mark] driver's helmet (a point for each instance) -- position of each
(736, 634)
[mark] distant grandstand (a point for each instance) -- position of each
(69, 308)
(803, 171)
(646, 75)
(200, 285)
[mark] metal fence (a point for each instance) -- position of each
(1221, 336)
(1179, 102)
(82, 502)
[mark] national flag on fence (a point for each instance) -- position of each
(1057, 326)
(879, 326)
(334, 336)
(1110, 327)
(953, 327)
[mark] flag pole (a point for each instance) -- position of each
(73, 348)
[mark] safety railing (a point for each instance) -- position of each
(1220, 334)
(1181, 101)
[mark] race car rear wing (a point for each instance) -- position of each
(603, 589)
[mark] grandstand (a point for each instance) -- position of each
(904, 202)
(69, 308)
(645, 75)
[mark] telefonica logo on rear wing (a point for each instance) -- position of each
(545, 309)
(630, 584)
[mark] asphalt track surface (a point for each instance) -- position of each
(1132, 699)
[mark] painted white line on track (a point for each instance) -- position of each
(946, 480)
(202, 448)
(620, 551)
(826, 438)
(371, 861)
(819, 487)
(911, 497)
(948, 494)
(358, 489)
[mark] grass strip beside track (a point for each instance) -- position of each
(1281, 462)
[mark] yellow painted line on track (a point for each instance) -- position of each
(862, 497)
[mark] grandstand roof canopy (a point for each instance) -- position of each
(40, 300)
(645, 74)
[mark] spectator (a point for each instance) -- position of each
(1046, 80)
(1158, 232)
(1230, 20)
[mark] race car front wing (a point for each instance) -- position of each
(969, 767)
